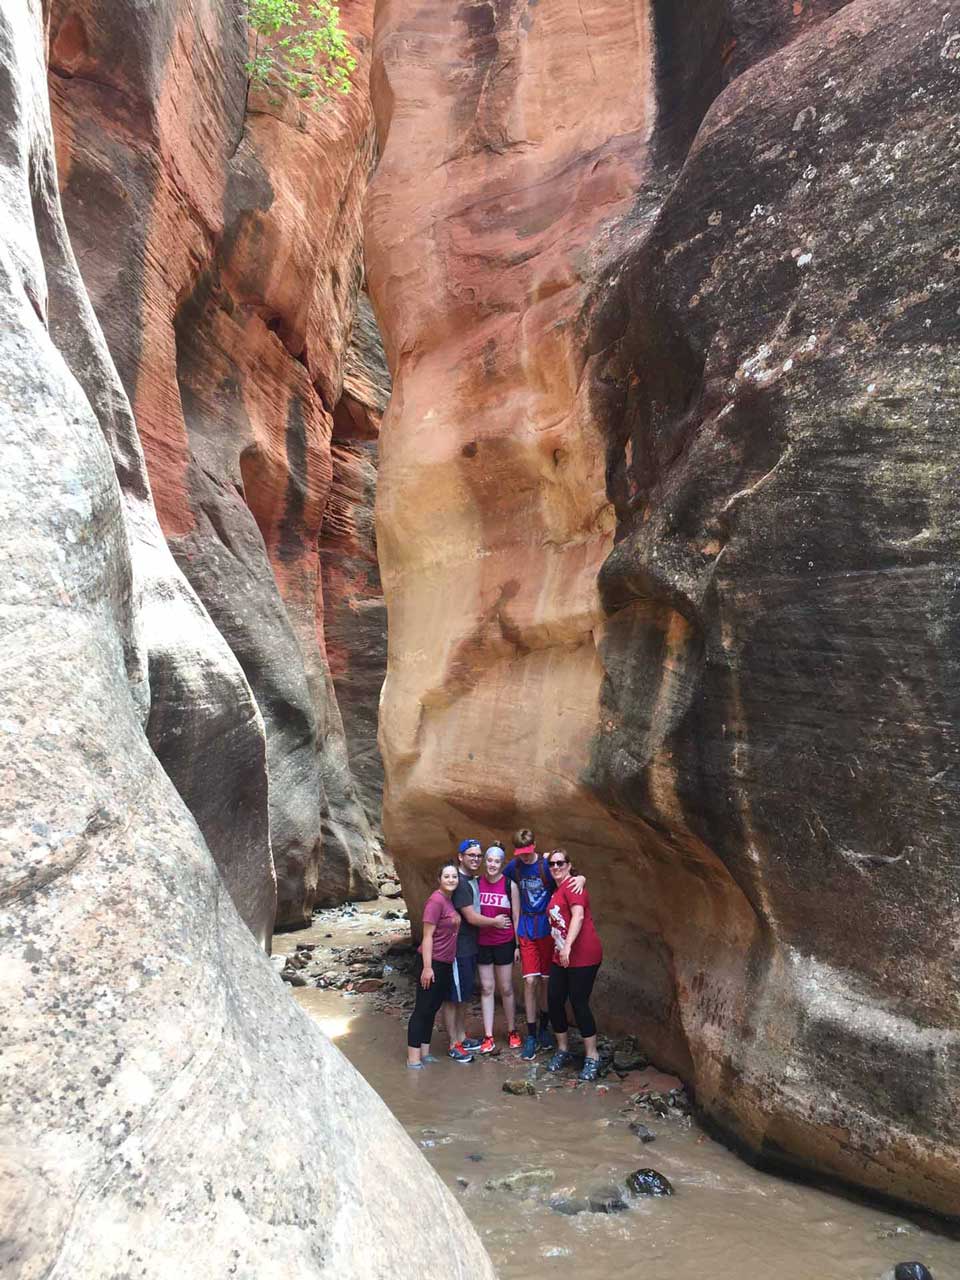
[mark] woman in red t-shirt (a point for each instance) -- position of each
(441, 924)
(577, 955)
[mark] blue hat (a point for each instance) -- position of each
(466, 844)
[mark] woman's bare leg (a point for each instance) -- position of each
(507, 997)
(486, 997)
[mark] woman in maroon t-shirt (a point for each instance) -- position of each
(441, 923)
(577, 955)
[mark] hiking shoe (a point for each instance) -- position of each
(590, 1066)
(529, 1049)
(470, 1043)
(513, 1040)
(488, 1045)
(559, 1060)
(459, 1054)
(546, 1039)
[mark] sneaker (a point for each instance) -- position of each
(414, 1066)
(529, 1050)
(488, 1045)
(459, 1054)
(428, 1057)
(470, 1043)
(546, 1039)
(590, 1066)
(559, 1060)
(513, 1040)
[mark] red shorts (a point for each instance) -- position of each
(536, 956)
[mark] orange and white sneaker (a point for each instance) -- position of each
(488, 1044)
(514, 1040)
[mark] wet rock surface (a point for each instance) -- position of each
(648, 1182)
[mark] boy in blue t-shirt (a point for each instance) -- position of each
(531, 888)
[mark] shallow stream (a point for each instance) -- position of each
(725, 1221)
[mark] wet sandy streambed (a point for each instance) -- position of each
(724, 1222)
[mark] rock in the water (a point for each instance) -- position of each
(522, 1180)
(569, 1205)
(390, 889)
(642, 1132)
(606, 1199)
(911, 1271)
(648, 1182)
(519, 1088)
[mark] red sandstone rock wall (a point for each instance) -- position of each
(664, 535)
(219, 238)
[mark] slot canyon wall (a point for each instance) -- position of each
(165, 1107)
(218, 232)
(666, 519)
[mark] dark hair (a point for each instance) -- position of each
(444, 867)
(522, 837)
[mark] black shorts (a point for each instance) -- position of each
(463, 980)
(502, 953)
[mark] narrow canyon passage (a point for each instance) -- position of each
(559, 428)
(526, 1169)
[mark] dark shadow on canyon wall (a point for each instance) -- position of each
(776, 372)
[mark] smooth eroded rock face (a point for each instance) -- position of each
(692, 616)
(165, 1109)
(218, 232)
(493, 518)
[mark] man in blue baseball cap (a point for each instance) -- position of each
(466, 899)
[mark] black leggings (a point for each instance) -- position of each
(574, 985)
(420, 1026)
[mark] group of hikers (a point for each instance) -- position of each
(479, 923)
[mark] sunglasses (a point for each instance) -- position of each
(558, 862)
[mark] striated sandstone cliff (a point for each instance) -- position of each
(665, 524)
(165, 1108)
(219, 238)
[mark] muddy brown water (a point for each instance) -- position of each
(726, 1221)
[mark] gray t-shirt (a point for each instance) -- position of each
(467, 894)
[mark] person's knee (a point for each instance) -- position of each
(530, 980)
(486, 986)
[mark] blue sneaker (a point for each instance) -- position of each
(546, 1039)
(529, 1050)
(459, 1054)
(559, 1060)
(471, 1043)
(590, 1068)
